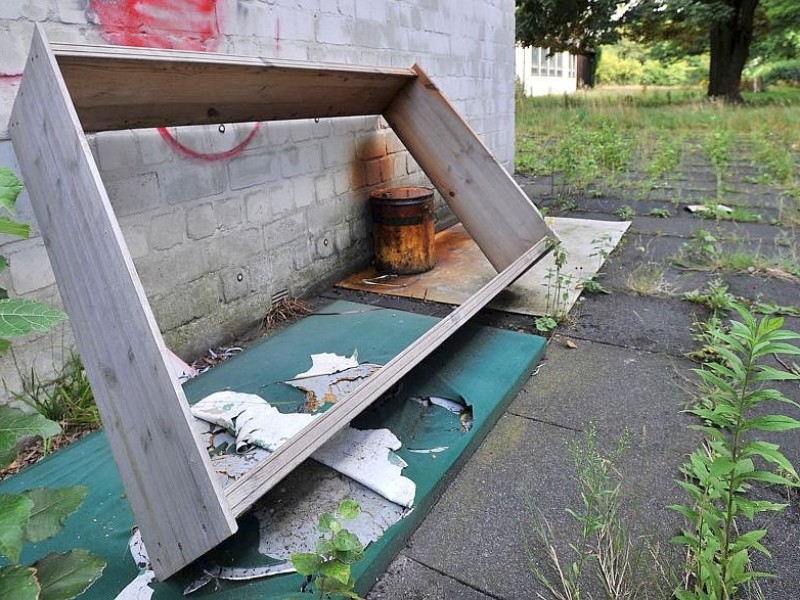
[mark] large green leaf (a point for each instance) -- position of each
(18, 317)
(64, 576)
(336, 569)
(15, 510)
(15, 228)
(306, 563)
(50, 508)
(10, 187)
(15, 424)
(19, 583)
(349, 509)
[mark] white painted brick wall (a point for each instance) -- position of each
(213, 240)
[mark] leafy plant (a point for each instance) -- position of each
(545, 324)
(722, 476)
(328, 568)
(592, 286)
(626, 213)
(17, 316)
(35, 515)
(558, 289)
(661, 213)
(67, 398)
(716, 297)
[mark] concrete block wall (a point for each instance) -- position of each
(219, 222)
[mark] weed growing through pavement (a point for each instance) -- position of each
(704, 252)
(605, 554)
(648, 279)
(722, 477)
(558, 291)
(661, 213)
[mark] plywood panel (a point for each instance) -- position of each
(194, 88)
(486, 199)
(242, 494)
(179, 507)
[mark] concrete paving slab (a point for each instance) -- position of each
(475, 532)
(639, 322)
(480, 530)
(406, 579)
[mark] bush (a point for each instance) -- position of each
(784, 71)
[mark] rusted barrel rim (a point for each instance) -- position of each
(402, 195)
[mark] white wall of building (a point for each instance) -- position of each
(543, 75)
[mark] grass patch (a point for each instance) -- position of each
(592, 139)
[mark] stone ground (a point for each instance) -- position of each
(628, 370)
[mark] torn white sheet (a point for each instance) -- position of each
(330, 388)
(326, 363)
(365, 456)
(709, 208)
(139, 588)
(251, 418)
(238, 574)
(288, 520)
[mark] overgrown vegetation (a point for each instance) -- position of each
(648, 140)
(605, 556)
(66, 398)
(35, 515)
(724, 475)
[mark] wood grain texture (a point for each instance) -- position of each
(193, 88)
(249, 488)
(168, 478)
(485, 198)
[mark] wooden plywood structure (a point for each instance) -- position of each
(68, 90)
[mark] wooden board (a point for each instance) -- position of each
(178, 504)
(196, 88)
(246, 491)
(486, 199)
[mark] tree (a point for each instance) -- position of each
(724, 28)
(727, 29)
(577, 26)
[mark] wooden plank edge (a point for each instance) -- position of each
(242, 494)
(84, 158)
(65, 51)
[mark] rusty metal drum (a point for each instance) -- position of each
(403, 230)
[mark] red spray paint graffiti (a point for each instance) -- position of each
(173, 24)
(176, 24)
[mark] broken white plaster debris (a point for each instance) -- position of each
(251, 418)
(288, 523)
(139, 588)
(365, 456)
(238, 574)
(332, 387)
(326, 363)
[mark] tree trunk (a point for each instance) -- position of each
(730, 48)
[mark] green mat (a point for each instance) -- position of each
(484, 366)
